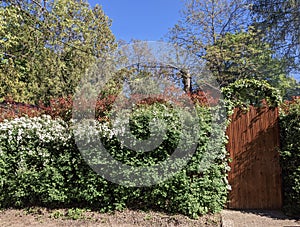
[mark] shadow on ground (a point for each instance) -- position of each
(274, 214)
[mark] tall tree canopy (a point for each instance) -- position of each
(46, 47)
(219, 32)
(279, 20)
(244, 55)
(204, 21)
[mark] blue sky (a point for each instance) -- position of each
(147, 20)
(141, 19)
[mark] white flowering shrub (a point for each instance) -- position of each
(40, 163)
(28, 147)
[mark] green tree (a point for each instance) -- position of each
(244, 55)
(204, 21)
(218, 31)
(46, 49)
(280, 22)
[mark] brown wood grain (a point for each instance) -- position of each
(255, 175)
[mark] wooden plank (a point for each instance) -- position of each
(255, 175)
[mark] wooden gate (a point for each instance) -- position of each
(255, 175)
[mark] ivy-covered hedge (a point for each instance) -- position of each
(245, 92)
(290, 157)
(40, 164)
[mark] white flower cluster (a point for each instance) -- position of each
(90, 131)
(44, 129)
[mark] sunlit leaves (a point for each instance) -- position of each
(45, 49)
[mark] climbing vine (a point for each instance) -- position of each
(246, 92)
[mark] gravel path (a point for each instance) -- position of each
(234, 218)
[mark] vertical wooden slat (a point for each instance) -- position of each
(255, 175)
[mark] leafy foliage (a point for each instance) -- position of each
(40, 165)
(245, 92)
(290, 156)
(279, 21)
(245, 55)
(204, 21)
(46, 49)
(218, 32)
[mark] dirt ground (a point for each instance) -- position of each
(63, 217)
(37, 216)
